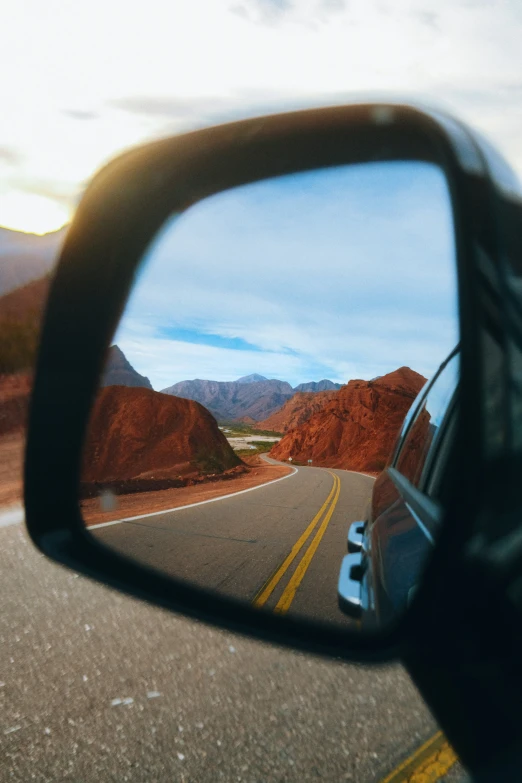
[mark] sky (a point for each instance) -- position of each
(85, 81)
(341, 273)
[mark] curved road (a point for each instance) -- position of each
(278, 546)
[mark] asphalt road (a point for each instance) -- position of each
(278, 545)
(96, 686)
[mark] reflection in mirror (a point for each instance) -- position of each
(258, 383)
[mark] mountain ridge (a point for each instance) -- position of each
(251, 397)
(228, 400)
(318, 386)
(27, 257)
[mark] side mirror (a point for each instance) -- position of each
(280, 236)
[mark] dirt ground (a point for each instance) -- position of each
(11, 466)
(148, 502)
(11, 486)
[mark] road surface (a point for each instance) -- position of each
(278, 546)
(96, 686)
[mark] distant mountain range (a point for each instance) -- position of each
(318, 386)
(250, 398)
(227, 400)
(254, 378)
(26, 257)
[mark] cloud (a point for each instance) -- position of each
(342, 273)
(239, 10)
(10, 155)
(167, 361)
(264, 12)
(78, 114)
(272, 12)
(276, 5)
(271, 7)
(332, 6)
(173, 107)
(63, 193)
(181, 65)
(428, 18)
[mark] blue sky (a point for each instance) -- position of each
(340, 273)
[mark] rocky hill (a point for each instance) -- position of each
(26, 301)
(21, 313)
(295, 411)
(357, 429)
(20, 318)
(119, 372)
(25, 257)
(251, 398)
(137, 433)
(14, 402)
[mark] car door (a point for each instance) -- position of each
(404, 510)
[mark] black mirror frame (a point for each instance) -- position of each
(121, 211)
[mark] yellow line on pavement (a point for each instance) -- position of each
(283, 605)
(427, 765)
(269, 587)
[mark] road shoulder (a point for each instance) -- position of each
(164, 500)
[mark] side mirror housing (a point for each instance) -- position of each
(123, 209)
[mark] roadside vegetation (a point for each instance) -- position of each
(260, 447)
(235, 429)
(18, 344)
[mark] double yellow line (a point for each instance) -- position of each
(435, 757)
(428, 764)
(290, 590)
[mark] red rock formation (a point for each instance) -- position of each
(296, 411)
(20, 316)
(357, 429)
(139, 433)
(14, 402)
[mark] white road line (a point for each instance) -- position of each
(12, 516)
(191, 505)
(355, 473)
(15, 515)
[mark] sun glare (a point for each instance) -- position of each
(31, 213)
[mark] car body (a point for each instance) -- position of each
(388, 550)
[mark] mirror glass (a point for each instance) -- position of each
(261, 381)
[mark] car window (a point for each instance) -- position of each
(426, 423)
(435, 466)
(407, 421)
